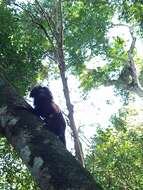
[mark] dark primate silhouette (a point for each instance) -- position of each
(45, 108)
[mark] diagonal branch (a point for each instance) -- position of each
(135, 86)
(133, 70)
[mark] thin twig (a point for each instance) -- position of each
(33, 19)
(48, 19)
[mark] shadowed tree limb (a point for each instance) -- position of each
(50, 163)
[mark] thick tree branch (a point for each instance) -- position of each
(50, 163)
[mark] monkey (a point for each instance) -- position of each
(46, 109)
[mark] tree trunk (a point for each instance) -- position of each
(50, 163)
(135, 85)
(62, 67)
(77, 144)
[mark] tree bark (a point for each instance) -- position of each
(50, 163)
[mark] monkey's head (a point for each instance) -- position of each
(41, 95)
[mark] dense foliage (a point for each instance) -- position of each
(20, 54)
(13, 174)
(115, 156)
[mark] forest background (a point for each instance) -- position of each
(90, 55)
